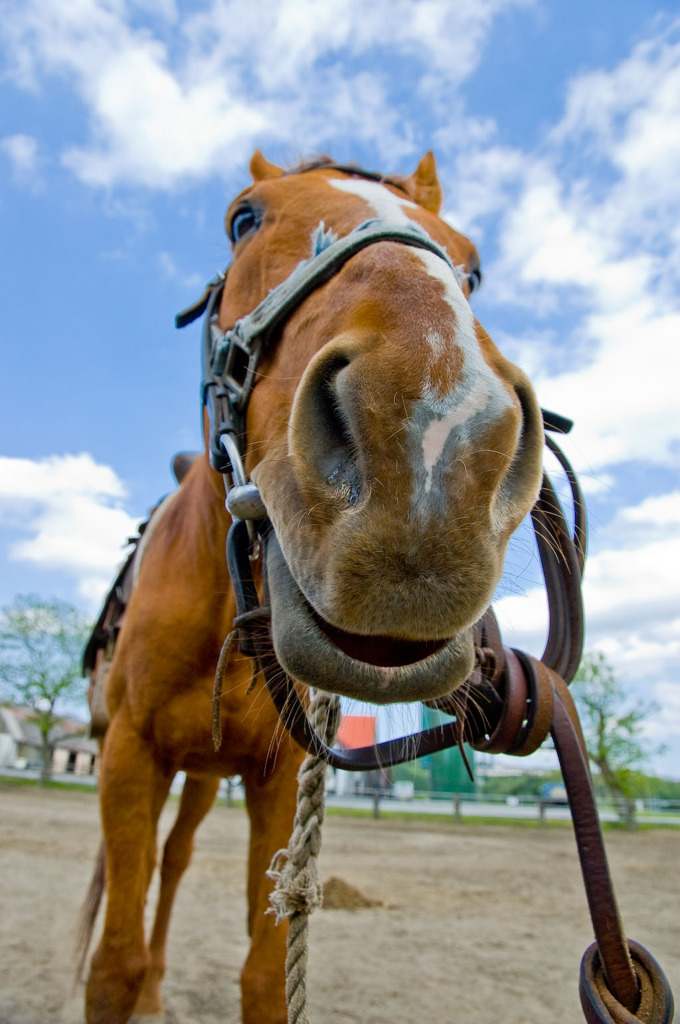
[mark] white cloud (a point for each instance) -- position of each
(605, 257)
(631, 592)
(23, 479)
(627, 115)
(283, 40)
(557, 237)
(172, 271)
(600, 483)
(654, 522)
(667, 724)
(22, 152)
(71, 508)
(237, 74)
(631, 581)
(632, 588)
(523, 619)
(660, 510)
(164, 9)
(177, 132)
(481, 178)
(624, 399)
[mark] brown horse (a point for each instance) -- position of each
(395, 450)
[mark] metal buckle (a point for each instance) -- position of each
(236, 478)
(234, 362)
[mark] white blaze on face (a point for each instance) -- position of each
(385, 205)
(438, 431)
(478, 390)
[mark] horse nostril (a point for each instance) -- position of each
(344, 480)
(331, 448)
(531, 428)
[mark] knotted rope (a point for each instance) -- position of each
(298, 891)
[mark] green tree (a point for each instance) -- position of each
(613, 730)
(527, 784)
(41, 643)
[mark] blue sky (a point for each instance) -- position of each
(125, 128)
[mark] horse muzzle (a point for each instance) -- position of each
(377, 669)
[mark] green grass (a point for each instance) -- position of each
(448, 820)
(442, 819)
(15, 782)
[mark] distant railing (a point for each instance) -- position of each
(518, 805)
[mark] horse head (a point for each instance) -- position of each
(394, 447)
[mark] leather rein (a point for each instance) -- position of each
(512, 701)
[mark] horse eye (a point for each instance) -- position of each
(474, 279)
(244, 220)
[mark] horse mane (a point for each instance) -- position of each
(322, 161)
(311, 163)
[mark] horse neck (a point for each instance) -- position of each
(207, 504)
(196, 530)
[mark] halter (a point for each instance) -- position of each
(517, 699)
(230, 359)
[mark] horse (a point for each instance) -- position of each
(395, 450)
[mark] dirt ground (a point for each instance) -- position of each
(475, 924)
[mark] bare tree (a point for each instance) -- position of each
(613, 730)
(41, 643)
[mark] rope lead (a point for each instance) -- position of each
(297, 890)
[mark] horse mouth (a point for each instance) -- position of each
(382, 651)
(375, 669)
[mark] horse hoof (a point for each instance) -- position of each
(147, 1018)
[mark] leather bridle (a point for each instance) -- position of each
(518, 699)
(230, 359)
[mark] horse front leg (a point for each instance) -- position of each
(271, 807)
(133, 789)
(198, 796)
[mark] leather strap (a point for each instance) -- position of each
(601, 1007)
(604, 913)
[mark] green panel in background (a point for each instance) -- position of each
(447, 769)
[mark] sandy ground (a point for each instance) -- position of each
(478, 924)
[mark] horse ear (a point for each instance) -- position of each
(423, 185)
(260, 168)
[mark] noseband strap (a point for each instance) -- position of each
(230, 358)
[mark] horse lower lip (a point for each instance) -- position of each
(413, 671)
(382, 651)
